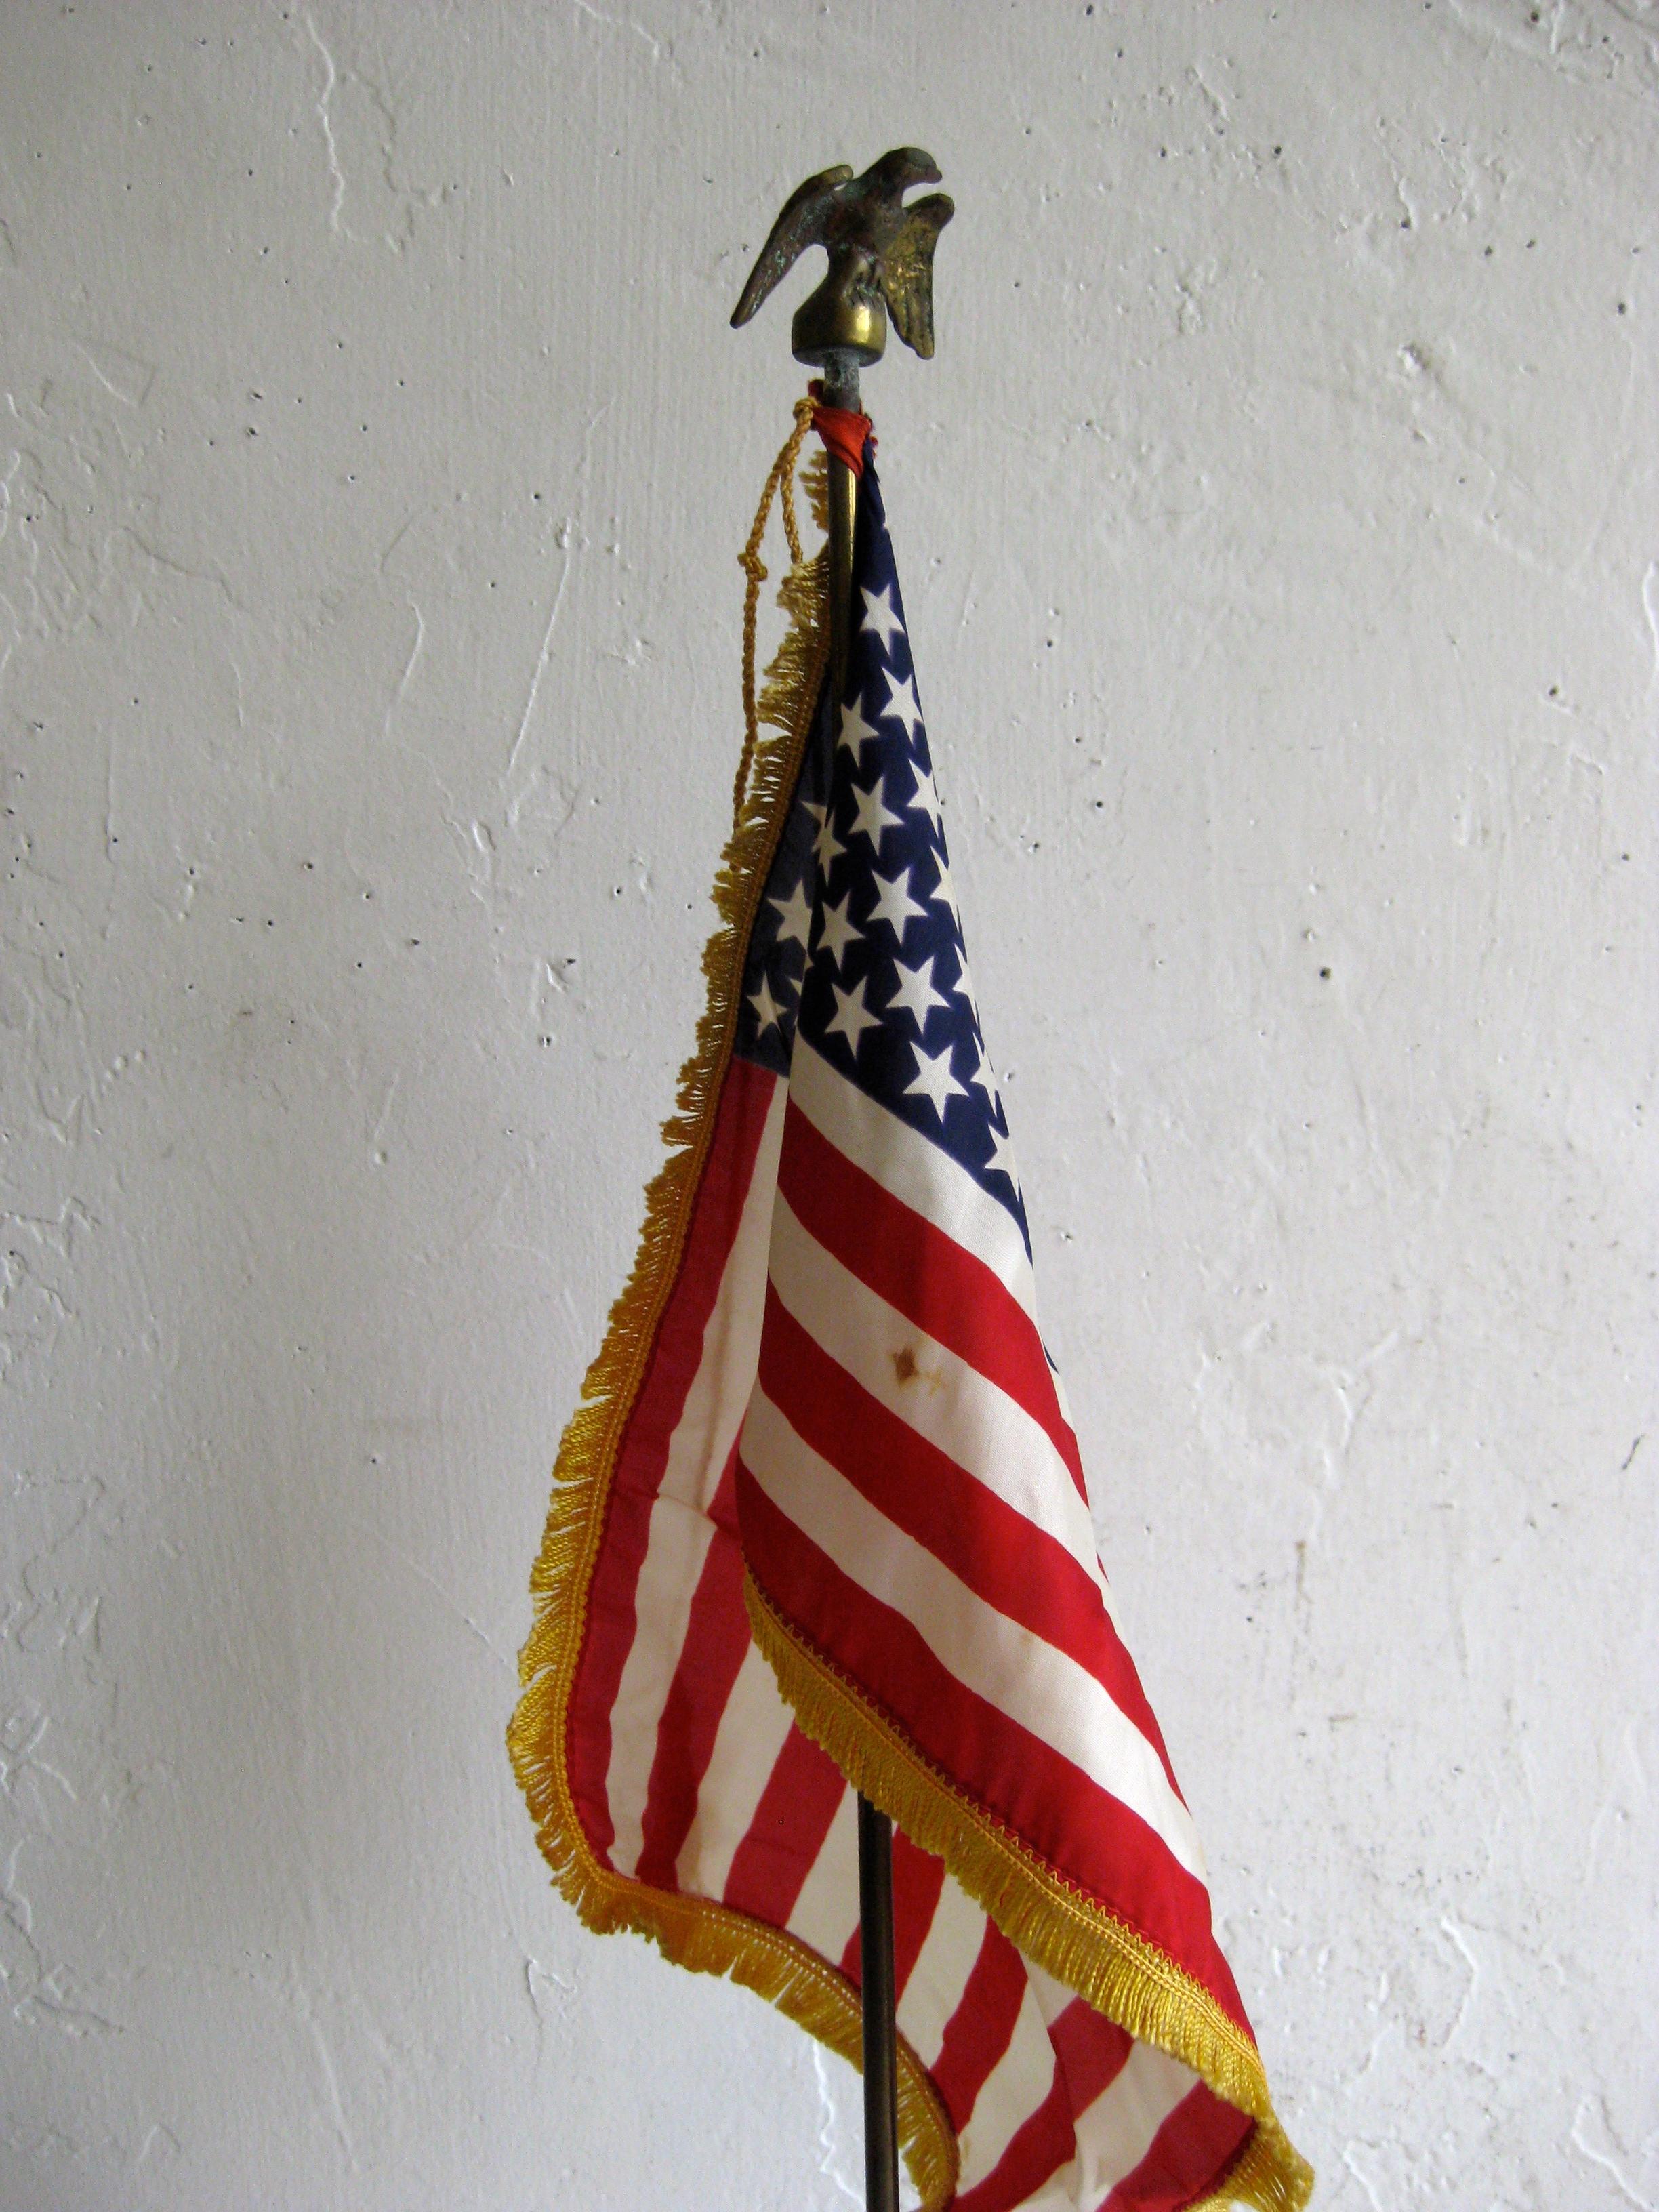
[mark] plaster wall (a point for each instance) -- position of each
(1279, 524)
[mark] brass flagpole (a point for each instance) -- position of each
(881, 254)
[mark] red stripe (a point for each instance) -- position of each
(932, 1280)
(1189, 2159)
(770, 1865)
(717, 1638)
(1004, 1559)
(918, 1878)
(675, 1358)
(981, 2027)
(852, 1957)
(1092, 2051)
(1038, 2148)
(1090, 1837)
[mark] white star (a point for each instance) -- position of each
(894, 904)
(855, 731)
(964, 988)
(927, 798)
(944, 892)
(852, 1017)
(838, 933)
(870, 815)
(794, 915)
(878, 616)
(915, 993)
(985, 1074)
(826, 846)
(902, 706)
(934, 1079)
(1001, 1161)
(766, 1006)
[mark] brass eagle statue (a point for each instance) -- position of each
(881, 257)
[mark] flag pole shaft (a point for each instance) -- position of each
(875, 243)
(880, 2029)
(840, 389)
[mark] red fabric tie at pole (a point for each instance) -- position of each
(843, 429)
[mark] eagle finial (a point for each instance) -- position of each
(881, 257)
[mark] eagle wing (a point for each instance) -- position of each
(907, 270)
(802, 223)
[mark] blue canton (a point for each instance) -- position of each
(858, 941)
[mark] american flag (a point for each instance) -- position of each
(838, 1531)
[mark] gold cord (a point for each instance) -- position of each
(780, 484)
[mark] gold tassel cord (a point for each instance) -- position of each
(1110, 1966)
(696, 1932)
(781, 485)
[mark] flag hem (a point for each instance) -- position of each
(1110, 1966)
(693, 1932)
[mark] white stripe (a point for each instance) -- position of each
(1011, 2092)
(751, 1735)
(911, 1168)
(1040, 1688)
(947, 1957)
(712, 1412)
(1058, 2194)
(677, 1540)
(669, 1572)
(946, 1401)
(1113, 2135)
(826, 1911)
(1053, 1996)
(1117, 2131)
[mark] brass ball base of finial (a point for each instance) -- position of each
(841, 318)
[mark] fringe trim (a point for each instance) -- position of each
(1267, 2173)
(693, 1932)
(1114, 1969)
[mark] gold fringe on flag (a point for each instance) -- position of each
(696, 1932)
(1077, 1941)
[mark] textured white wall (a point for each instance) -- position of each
(1278, 525)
